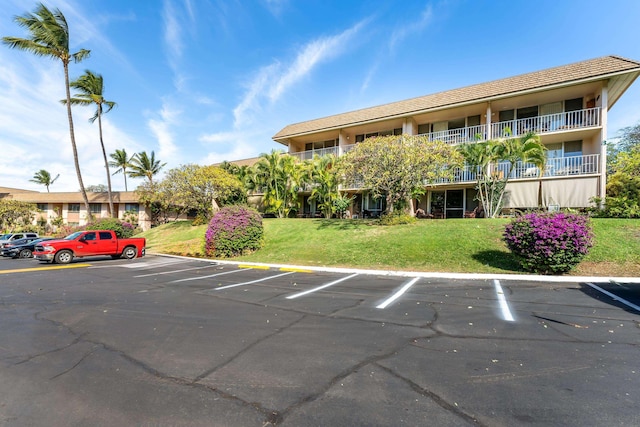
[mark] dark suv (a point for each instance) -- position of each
(22, 248)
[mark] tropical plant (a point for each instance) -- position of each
(278, 177)
(493, 162)
(234, 230)
(549, 243)
(145, 166)
(324, 180)
(396, 167)
(91, 89)
(121, 161)
(43, 177)
(49, 37)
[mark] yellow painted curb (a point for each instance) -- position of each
(295, 270)
(56, 267)
(258, 267)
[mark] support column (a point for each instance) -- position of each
(343, 140)
(488, 121)
(604, 107)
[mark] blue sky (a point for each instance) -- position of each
(201, 81)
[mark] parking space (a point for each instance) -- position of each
(254, 345)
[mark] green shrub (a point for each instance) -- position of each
(234, 230)
(549, 243)
(398, 218)
(122, 229)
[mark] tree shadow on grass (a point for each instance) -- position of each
(499, 259)
(342, 224)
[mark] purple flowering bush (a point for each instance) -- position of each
(232, 231)
(549, 243)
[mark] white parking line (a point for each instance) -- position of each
(206, 277)
(397, 295)
(321, 287)
(176, 271)
(253, 281)
(504, 306)
(615, 297)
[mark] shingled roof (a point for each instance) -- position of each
(593, 69)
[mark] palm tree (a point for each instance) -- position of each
(121, 161)
(145, 166)
(278, 177)
(91, 89)
(49, 37)
(44, 177)
(324, 183)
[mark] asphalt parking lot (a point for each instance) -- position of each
(163, 341)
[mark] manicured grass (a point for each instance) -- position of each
(466, 246)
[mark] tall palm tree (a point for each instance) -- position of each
(49, 37)
(43, 177)
(91, 89)
(121, 161)
(145, 166)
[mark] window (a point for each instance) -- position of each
(573, 148)
(105, 235)
(43, 206)
(527, 112)
(74, 207)
(95, 208)
(362, 137)
(132, 207)
(89, 236)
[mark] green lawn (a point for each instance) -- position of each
(464, 245)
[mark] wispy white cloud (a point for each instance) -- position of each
(161, 127)
(275, 79)
(172, 32)
(407, 29)
(228, 146)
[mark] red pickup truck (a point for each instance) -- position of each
(89, 243)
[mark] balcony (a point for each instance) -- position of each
(581, 119)
(310, 154)
(550, 123)
(557, 167)
(570, 120)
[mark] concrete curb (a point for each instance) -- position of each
(428, 275)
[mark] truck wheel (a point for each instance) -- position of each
(25, 253)
(130, 252)
(63, 257)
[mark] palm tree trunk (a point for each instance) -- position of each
(124, 172)
(106, 164)
(73, 141)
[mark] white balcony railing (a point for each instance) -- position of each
(459, 136)
(580, 119)
(310, 154)
(541, 125)
(561, 166)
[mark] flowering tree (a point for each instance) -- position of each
(396, 167)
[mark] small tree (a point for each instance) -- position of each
(396, 167)
(278, 177)
(493, 162)
(324, 180)
(14, 214)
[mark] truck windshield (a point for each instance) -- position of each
(73, 236)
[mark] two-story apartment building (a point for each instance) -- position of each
(70, 206)
(566, 106)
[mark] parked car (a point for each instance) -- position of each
(89, 243)
(22, 248)
(7, 238)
